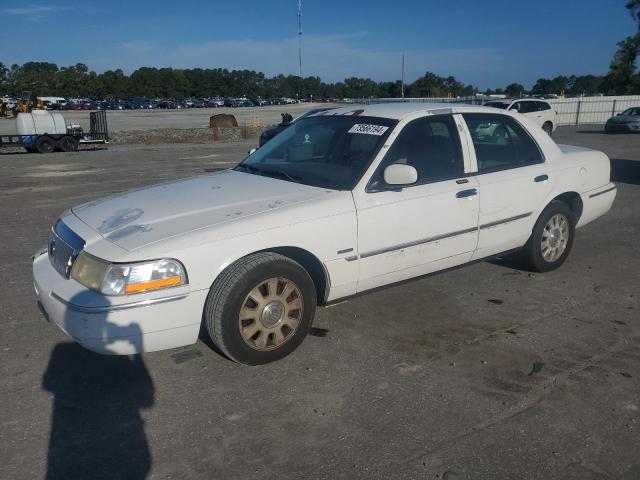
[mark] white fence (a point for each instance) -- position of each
(571, 111)
(591, 110)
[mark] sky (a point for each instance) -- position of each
(486, 44)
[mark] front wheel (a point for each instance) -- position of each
(551, 239)
(260, 308)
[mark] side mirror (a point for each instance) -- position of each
(400, 174)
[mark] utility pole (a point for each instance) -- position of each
(402, 78)
(300, 36)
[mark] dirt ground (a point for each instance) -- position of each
(484, 372)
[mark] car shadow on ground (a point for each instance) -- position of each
(625, 171)
(601, 131)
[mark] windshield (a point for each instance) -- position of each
(631, 112)
(330, 151)
(502, 105)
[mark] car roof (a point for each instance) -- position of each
(398, 111)
(511, 100)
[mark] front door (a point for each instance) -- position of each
(430, 225)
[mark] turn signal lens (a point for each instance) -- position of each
(153, 285)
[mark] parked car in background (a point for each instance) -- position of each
(194, 103)
(269, 133)
(80, 106)
(625, 122)
(167, 105)
(325, 213)
(232, 102)
(537, 110)
(140, 103)
(215, 102)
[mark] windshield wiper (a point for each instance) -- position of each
(251, 168)
(273, 173)
(282, 174)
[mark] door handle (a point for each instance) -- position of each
(541, 178)
(467, 193)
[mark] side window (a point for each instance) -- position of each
(501, 142)
(528, 107)
(543, 106)
(432, 146)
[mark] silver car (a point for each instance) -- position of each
(627, 121)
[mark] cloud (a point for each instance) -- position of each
(332, 57)
(32, 11)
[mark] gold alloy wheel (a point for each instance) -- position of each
(554, 238)
(270, 314)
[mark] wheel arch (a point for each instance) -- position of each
(312, 264)
(573, 201)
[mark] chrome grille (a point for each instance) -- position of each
(63, 251)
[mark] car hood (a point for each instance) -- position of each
(140, 217)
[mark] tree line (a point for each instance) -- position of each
(44, 79)
(47, 79)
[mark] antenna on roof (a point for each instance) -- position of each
(300, 36)
(402, 78)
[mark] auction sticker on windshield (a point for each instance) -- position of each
(368, 129)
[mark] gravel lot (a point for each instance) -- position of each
(484, 372)
(128, 120)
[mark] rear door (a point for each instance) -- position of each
(513, 181)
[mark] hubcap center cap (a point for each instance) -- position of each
(555, 237)
(272, 314)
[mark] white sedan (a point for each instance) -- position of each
(341, 202)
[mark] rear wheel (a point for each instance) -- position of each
(260, 309)
(548, 128)
(68, 144)
(45, 144)
(551, 239)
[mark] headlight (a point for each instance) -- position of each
(127, 278)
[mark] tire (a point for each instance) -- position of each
(550, 243)
(280, 318)
(548, 128)
(45, 144)
(30, 149)
(68, 144)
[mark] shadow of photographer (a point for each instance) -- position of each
(97, 430)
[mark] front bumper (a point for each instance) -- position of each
(118, 325)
